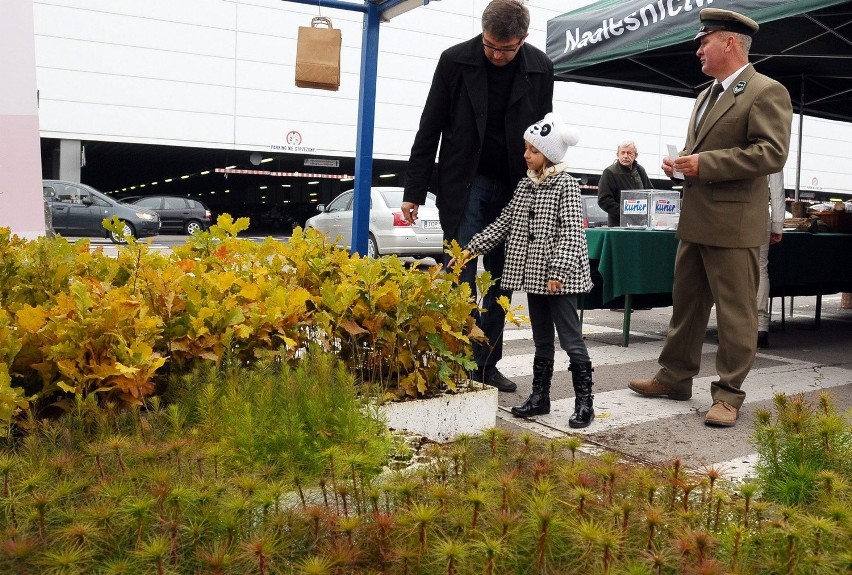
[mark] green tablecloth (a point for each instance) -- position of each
(630, 261)
(635, 268)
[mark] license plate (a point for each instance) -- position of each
(431, 224)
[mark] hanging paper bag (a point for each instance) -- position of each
(318, 55)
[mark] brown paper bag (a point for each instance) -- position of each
(318, 56)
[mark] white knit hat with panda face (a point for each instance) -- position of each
(552, 137)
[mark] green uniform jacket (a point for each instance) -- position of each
(745, 138)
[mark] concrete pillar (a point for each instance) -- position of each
(21, 203)
(69, 160)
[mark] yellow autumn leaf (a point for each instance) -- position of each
(426, 325)
(389, 297)
(30, 318)
(250, 291)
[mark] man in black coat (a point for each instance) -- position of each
(485, 92)
(623, 174)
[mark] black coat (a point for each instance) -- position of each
(614, 179)
(455, 114)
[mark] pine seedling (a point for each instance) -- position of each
(217, 557)
(155, 551)
(139, 509)
(476, 497)
(451, 553)
(39, 501)
(573, 443)
(7, 464)
(821, 528)
(69, 560)
(542, 512)
(720, 498)
(422, 517)
(747, 490)
(491, 549)
(19, 551)
(348, 526)
(653, 521)
(258, 551)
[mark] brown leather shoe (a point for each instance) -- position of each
(653, 388)
(721, 414)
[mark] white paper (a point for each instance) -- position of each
(673, 154)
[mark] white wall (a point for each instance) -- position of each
(21, 203)
(220, 73)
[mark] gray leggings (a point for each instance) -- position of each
(547, 311)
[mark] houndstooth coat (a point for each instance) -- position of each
(543, 230)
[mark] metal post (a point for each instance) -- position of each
(366, 124)
(799, 151)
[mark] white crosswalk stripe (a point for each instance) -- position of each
(622, 409)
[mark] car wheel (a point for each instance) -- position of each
(192, 226)
(127, 231)
(372, 247)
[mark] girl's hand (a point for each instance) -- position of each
(465, 256)
(554, 286)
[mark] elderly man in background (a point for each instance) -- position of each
(623, 174)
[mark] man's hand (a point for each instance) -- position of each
(667, 166)
(409, 211)
(775, 238)
(687, 165)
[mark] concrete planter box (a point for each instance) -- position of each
(442, 419)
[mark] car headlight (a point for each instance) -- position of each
(144, 216)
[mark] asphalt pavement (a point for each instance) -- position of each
(801, 359)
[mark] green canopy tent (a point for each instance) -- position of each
(648, 45)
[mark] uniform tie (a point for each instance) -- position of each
(711, 101)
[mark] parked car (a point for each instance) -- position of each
(79, 210)
(177, 214)
(389, 232)
(593, 215)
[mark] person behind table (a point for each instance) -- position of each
(547, 257)
(743, 137)
(623, 174)
(774, 234)
(484, 94)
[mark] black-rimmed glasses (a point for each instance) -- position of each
(495, 49)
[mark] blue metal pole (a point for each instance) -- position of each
(366, 125)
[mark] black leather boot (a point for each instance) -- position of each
(538, 403)
(584, 411)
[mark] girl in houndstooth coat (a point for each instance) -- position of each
(547, 257)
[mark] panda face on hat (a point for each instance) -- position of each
(552, 137)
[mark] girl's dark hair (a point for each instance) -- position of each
(506, 20)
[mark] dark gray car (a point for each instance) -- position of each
(593, 215)
(79, 210)
(177, 214)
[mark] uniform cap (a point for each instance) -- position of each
(715, 19)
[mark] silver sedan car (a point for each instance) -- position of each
(389, 232)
